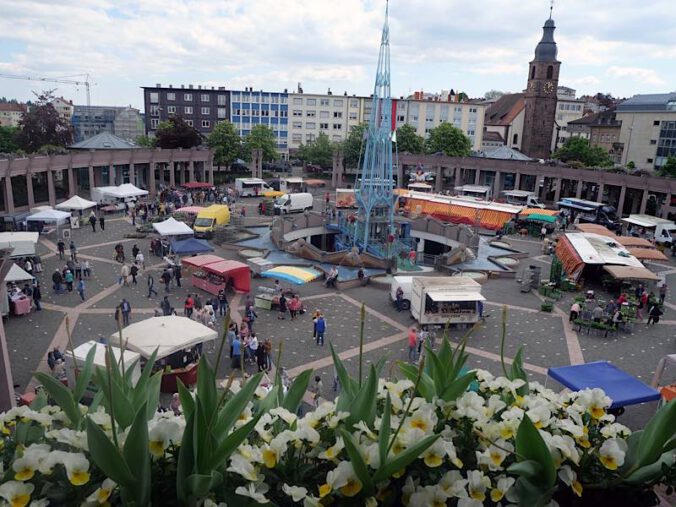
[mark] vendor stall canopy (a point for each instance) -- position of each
(190, 246)
(293, 274)
(16, 274)
(196, 185)
(76, 203)
(190, 210)
(631, 273)
(237, 271)
(130, 359)
(21, 243)
(50, 216)
(172, 227)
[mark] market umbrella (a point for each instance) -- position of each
(190, 246)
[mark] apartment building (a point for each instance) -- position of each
(11, 113)
(334, 115)
(124, 122)
(64, 107)
(648, 132)
(249, 108)
(201, 107)
(568, 108)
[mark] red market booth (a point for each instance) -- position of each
(197, 263)
(212, 273)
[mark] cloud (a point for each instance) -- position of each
(638, 74)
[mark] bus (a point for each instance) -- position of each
(590, 212)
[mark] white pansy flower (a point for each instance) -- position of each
(332, 452)
(342, 477)
(254, 491)
(594, 401)
(454, 484)
(614, 430)
(569, 477)
(162, 434)
(612, 452)
(495, 454)
(242, 466)
(470, 405)
(335, 419)
(295, 492)
(16, 493)
(77, 468)
(477, 484)
(539, 416)
(494, 405)
(431, 496)
(103, 492)
(501, 488)
(424, 419)
(286, 416)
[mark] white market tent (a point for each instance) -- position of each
(130, 357)
(172, 227)
(166, 334)
(125, 190)
(22, 243)
(76, 203)
(16, 274)
(50, 216)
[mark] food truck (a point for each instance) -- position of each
(345, 198)
(446, 300)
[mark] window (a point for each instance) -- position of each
(532, 72)
(337, 114)
(353, 116)
(221, 112)
(337, 102)
(283, 100)
(235, 96)
(472, 110)
(275, 99)
(206, 124)
(297, 112)
(171, 109)
(154, 122)
(171, 96)
(311, 102)
(205, 110)
(323, 126)
(204, 97)
(297, 137)
(154, 110)
(309, 137)
(650, 160)
(264, 99)
(354, 103)
(656, 123)
(323, 102)
(154, 97)
(550, 71)
(470, 133)
(323, 114)
(297, 101)
(515, 139)
(189, 122)
(653, 141)
(246, 97)
(283, 114)
(311, 114)
(265, 112)
(187, 97)
(337, 126)
(187, 110)
(310, 125)
(400, 118)
(297, 124)
(222, 100)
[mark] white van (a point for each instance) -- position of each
(406, 284)
(522, 198)
(474, 192)
(293, 203)
(251, 187)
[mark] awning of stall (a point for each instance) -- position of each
(631, 273)
(537, 217)
(538, 211)
(647, 254)
(238, 271)
(595, 229)
(570, 260)
(631, 241)
(315, 183)
(448, 296)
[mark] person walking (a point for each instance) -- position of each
(81, 288)
(543, 233)
(140, 260)
(166, 279)
(61, 247)
(151, 285)
(102, 223)
(125, 308)
(92, 221)
(177, 274)
(37, 297)
(230, 336)
(73, 251)
(188, 306)
(574, 311)
(166, 306)
(294, 306)
(68, 277)
(57, 281)
(134, 251)
(663, 292)
(222, 302)
(133, 271)
(412, 345)
(86, 269)
(320, 326)
(251, 316)
(124, 275)
(654, 314)
(282, 307)
(236, 353)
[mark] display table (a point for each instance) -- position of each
(265, 301)
(206, 285)
(188, 376)
(21, 306)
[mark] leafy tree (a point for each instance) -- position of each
(578, 149)
(631, 165)
(409, 141)
(43, 125)
(449, 140)
(145, 141)
(50, 149)
(669, 168)
(176, 133)
(318, 152)
(8, 142)
(261, 137)
(493, 94)
(226, 143)
(353, 145)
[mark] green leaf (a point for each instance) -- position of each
(129, 372)
(187, 401)
(203, 438)
(458, 387)
(271, 400)
(528, 468)
(363, 408)
(186, 459)
(146, 372)
(96, 401)
(531, 494)
(403, 459)
(658, 431)
(206, 386)
(425, 386)
(358, 463)
(231, 411)
(152, 398)
(438, 370)
(531, 446)
(115, 374)
(84, 376)
(631, 456)
(651, 472)
(346, 382)
(137, 456)
(123, 407)
(200, 484)
(385, 430)
(62, 396)
(517, 372)
(296, 391)
(231, 442)
(107, 457)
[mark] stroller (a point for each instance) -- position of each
(119, 253)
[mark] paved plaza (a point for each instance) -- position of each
(547, 338)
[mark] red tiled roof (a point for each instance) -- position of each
(11, 106)
(505, 109)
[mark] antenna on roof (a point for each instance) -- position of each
(551, 8)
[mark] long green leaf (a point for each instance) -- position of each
(272, 399)
(438, 371)
(107, 457)
(385, 430)
(346, 382)
(358, 463)
(84, 376)
(296, 391)
(202, 438)
(459, 386)
(363, 407)
(136, 455)
(660, 429)
(124, 409)
(531, 446)
(206, 386)
(517, 372)
(651, 472)
(115, 373)
(231, 411)
(528, 468)
(201, 484)
(186, 459)
(147, 370)
(187, 402)
(403, 459)
(62, 396)
(152, 395)
(232, 442)
(129, 372)
(425, 386)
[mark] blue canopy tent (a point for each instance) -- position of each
(620, 387)
(190, 246)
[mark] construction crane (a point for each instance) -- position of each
(84, 83)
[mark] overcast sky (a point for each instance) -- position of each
(620, 46)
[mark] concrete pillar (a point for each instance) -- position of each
(458, 177)
(599, 193)
(29, 189)
(438, 179)
(172, 175)
(9, 194)
(181, 173)
(477, 176)
(557, 189)
(517, 181)
(191, 171)
(72, 188)
(644, 202)
(496, 185)
(6, 380)
(50, 188)
(132, 174)
(620, 202)
(151, 178)
(92, 182)
(665, 207)
(211, 172)
(578, 190)
(111, 175)
(421, 245)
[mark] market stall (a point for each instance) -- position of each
(76, 203)
(172, 227)
(22, 244)
(190, 246)
(197, 185)
(20, 304)
(190, 210)
(196, 263)
(178, 341)
(220, 275)
(130, 360)
(647, 254)
(50, 216)
(631, 273)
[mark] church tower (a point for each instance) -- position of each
(540, 97)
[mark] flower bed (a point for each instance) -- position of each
(441, 436)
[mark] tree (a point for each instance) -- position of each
(669, 168)
(352, 146)
(493, 94)
(176, 133)
(8, 142)
(263, 138)
(449, 140)
(226, 143)
(145, 141)
(318, 152)
(578, 149)
(43, 125)
(408, 140)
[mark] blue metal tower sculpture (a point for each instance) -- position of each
(374, 191)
